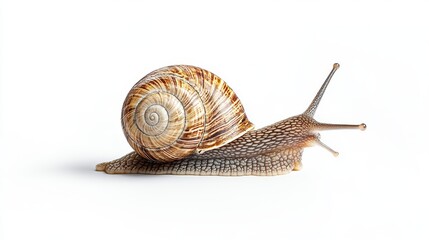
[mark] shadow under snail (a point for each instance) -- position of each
(185, 120)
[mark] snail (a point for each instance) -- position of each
(185, 120)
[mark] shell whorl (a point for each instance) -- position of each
(176, 111)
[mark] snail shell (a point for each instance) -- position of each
(177, 111)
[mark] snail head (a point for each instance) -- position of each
(312, 127)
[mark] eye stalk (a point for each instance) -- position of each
(315, 103)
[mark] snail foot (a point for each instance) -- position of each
(101, 166)
(297, 166)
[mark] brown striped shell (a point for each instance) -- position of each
(176, 111)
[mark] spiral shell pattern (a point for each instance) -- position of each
(177, 111)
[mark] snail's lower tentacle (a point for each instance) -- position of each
(268, 164)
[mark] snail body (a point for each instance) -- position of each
(185, 120)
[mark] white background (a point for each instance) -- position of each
(66, 67)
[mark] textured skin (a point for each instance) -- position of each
(267, 164)
(273, 150)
